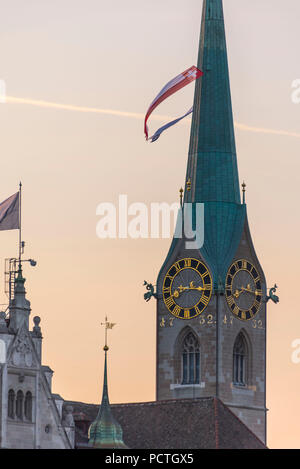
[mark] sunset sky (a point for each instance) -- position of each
(79, 77)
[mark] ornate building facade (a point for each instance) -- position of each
(31, 416)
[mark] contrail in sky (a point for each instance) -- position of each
(132, 115)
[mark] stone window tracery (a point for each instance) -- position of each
(190, 360)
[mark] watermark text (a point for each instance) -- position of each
(160, 220)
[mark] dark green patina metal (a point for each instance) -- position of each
(272, 295)
(212, 165)
(212, 171)
(105, 431)
(150, 291)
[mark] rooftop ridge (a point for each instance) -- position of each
(237, 418)
(164, 402)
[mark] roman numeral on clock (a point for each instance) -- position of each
(169, 302)
(169, 277)
(176, 310)
(205, 300)
(230, 300)
(256, 304)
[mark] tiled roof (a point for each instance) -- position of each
(203, 423)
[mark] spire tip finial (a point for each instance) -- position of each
(181, 196)
(244, 190)
(108, 325)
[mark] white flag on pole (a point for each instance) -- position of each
(9, 213)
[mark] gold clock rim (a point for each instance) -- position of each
(189, 267)
(241, 309)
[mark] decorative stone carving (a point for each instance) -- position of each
(68, 420)
(22, 353)
(3, 324)
(36, 331)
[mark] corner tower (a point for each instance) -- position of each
(31, 415)
(211, 307)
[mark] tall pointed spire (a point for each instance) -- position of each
(212, 166)
(105, 431)
(212, 174)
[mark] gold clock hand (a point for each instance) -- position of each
(248, 289)
(238, 293)
(182, 289)
(177, 292)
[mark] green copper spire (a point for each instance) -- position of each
(212, 166)
(19, 281)
(105, 431)
(212, 175)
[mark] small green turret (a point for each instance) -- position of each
(105, 431)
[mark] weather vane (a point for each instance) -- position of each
(108, 325)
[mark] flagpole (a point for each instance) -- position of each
(20, 225)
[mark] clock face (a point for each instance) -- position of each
(187, 288)
(243, 290)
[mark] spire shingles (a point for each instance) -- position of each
(212, 165)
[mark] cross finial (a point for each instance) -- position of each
(108, 325)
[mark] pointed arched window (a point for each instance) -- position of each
(19, 405)
(190, 360)
(240, 358)
(28, 406)
(11, 404)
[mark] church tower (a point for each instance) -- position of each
(211, 296)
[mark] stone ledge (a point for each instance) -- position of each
(186, 386)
